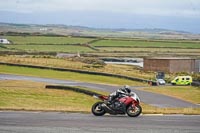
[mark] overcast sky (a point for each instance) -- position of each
(134, 14)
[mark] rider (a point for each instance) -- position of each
(125, 90)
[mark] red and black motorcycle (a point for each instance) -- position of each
(127, 104)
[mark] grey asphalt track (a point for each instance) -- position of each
(154, 99)
(56, 122)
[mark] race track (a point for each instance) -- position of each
(55, 122)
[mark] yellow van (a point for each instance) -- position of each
(182, 80)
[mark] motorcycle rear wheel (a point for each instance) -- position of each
(134, 112)
(97, 109)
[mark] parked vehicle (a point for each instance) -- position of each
(161, 81)
(128, 104)
(182, 80)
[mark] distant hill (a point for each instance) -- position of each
(51, 29)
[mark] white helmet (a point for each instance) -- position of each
(125, 89)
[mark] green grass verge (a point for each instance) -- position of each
(67, 75)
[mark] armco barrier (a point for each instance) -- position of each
(79, 71)
(76, 89)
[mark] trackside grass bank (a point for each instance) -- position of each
(67, 75)
(32, 96)
(25, 95)
(82, 63)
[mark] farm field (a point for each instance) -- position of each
(47, 40)
(161, 50)
(106, 47)
(145, 43)
(165, 50)
(47, 44)
(117, 47)
(144, 52)
(49, 48)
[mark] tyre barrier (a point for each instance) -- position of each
(76, 89)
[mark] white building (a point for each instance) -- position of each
(4, 41)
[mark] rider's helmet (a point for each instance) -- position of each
(125, 89)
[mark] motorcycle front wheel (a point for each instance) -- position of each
(134, 111)
(97, 109)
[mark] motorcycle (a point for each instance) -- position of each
(126, 104)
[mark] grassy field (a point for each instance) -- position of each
(77, 64)
(47, 44)
(49, 48)
(104, 46)
(33, 96)
(67, 75)
(47, 40)
(82, 64)
(136, 43)
(2, 48)
(26, 95)
(160, 50)
(146, 52)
